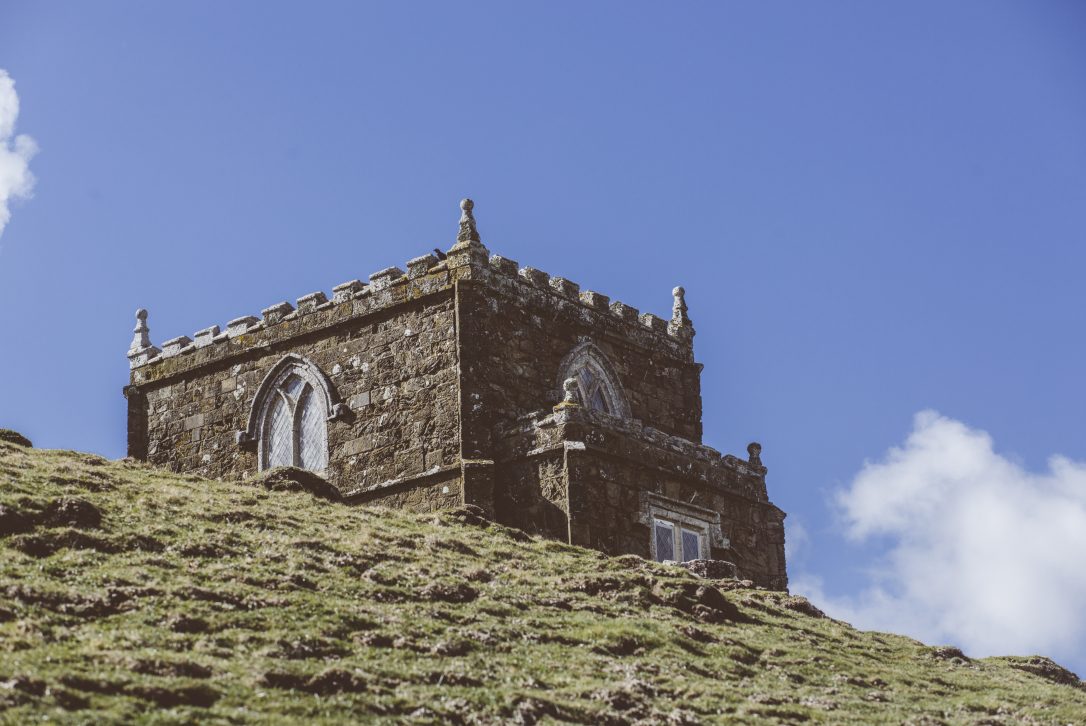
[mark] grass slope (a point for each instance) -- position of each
(203, 601)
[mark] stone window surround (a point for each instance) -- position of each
(690, 516)
(311, 374)
(307, 445)
(588, 353)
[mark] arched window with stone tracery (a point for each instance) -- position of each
(597, 386)
(289, 419)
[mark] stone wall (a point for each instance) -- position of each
(607, 469)
(529, 321)
(390, 356)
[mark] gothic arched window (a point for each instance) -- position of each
(597, 383)
(289, 419)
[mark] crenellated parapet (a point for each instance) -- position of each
(392, 286)
(630, 438)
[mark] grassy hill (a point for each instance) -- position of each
(128, 593)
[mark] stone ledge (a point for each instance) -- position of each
(390, 484)
(535, 424)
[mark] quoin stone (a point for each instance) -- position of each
(468, 380)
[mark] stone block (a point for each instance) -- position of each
(206, 336)
(240, 326)
(173, 346)
(345, 291)
(309, 303)
(654, 323)
(383, 279)
(277, 312)
(534, 277)
(419, 266)
(565, 288)
(595, 300)
(503, 265)
(624, 312)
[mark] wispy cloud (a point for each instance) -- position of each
(983, 553)
(16, 180)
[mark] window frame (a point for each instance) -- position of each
(677, 545)
(307, 395)
(683, 514)
(587, 356)
(324, 399)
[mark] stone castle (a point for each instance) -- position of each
(468, 380)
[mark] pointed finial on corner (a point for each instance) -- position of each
(468, 232)
(680, 325)
(141, 349)
(754, 453)
(678, 308)
(140, 334)
(469, 249)
(571, 395)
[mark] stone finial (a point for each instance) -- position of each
(570, 392)
(468, 232)
(141, 350)
(680, 325)
(754, 453)
(571, 395)
(469, 249)
(141, 338)
(678, 307)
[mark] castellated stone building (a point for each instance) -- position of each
(468, 380)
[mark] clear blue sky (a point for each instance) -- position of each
(875, 208)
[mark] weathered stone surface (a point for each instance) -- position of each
(445, 383)
(293, 479)
(711, 569)
(14, 437)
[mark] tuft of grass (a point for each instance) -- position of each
(129, 594)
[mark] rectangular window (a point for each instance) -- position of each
(691, 545)
(665, 540)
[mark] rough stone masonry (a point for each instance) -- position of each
(468, 379)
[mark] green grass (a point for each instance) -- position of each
(205, 601)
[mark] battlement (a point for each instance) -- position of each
(544, 430)
(425, 275)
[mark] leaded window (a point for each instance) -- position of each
(676, 542)
(597, 385)
(294, 430)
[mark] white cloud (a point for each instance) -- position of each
(983, 553)
(16, 181)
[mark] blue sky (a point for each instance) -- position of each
(877, 209)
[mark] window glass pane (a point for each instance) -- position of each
(291, 386)
(665, 541)
(278, 444)
(691, 545)
(586, 379)
(312, 433)
(599, 402)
